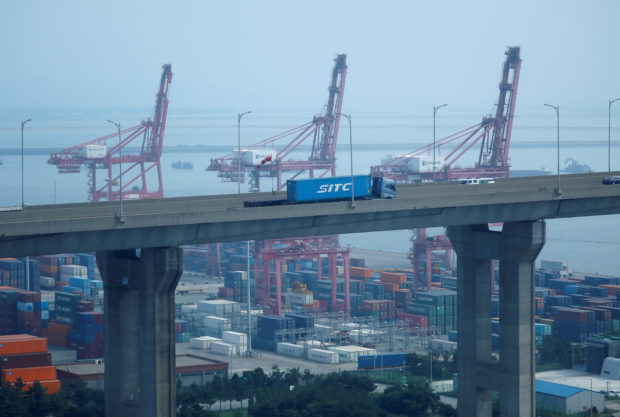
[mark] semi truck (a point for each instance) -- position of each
(314, 190)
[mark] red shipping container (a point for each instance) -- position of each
(572, 314)
(26, 360)
(84, 306)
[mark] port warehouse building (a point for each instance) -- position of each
(565, 399)
(190, 369)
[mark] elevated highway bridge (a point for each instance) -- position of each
(139, 285)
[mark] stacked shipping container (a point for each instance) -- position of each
(25, 357)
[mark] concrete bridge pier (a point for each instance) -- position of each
(139, 288)
(479, 374)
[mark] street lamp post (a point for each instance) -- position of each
(27, 257)
(249, 348)
(557, 112)
(435, 108)
(249, 296)
(609, 134)
(348, 116)
(120, 169)
(23, 123)
(239, 116)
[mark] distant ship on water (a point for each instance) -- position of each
(514, 173)
(574, 167)
(182, 165)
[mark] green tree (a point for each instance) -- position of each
(12, 401)
(416, 399)
(555, 350)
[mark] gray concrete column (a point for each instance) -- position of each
(520, 245)
(473, 318)
(516, 246)
(139, 330)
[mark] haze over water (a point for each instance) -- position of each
(588, 244)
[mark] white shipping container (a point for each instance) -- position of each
(441, 345)
(219, 307)
(296, 298)
(424, 163)
(188, 308)
(290, 349)
(203, 342)
(216, 322)
(256, 156)
(47, 282)
(323, 356)
(312, 343)
(214, 326)
(351, 353)
(554, 265)
(222, 348)
(68, 271)
(93, 151)
(239, 339)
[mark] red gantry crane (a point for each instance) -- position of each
(261, 160)
(98, 154)
(493, 132)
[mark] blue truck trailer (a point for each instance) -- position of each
(314, 190)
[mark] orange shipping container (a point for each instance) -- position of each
(613, 289)
(37, 373)
(358, 272)
(51, 386)
(22, 343)
(58, 329)
(389, 287)
(393, 278)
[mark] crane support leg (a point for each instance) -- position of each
(139, 330)
(516, 247)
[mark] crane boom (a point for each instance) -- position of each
(324, 132)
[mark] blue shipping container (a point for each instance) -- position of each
(333, 188)
(386, 360)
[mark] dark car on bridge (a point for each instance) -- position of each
(614, 179)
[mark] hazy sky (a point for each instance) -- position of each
(278, 55)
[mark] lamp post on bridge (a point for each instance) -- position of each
(249, 295)
(348, 116)
(23, 123)
(435, 108)
(557, 112)
(27, 257)
(120, 171)
(239, 116)
(609, 134)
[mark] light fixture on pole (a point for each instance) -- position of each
(239, 116)
(27, 257)
(249, 296)
(348, 116)
(121, 219)
(249, 348)
(23, 123)
(557, 112)
(609, 134)
(435, 108)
